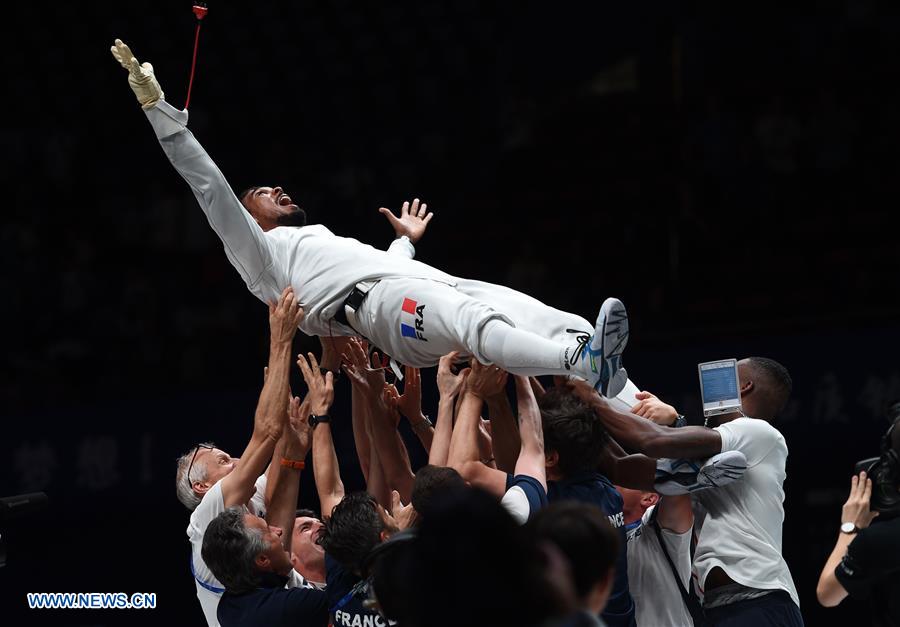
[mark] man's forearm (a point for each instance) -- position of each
(326, 469)
(273, 471)
(443, 430)
(283, 507)
(359, 410)
(464, 443)
(391, 450)
(271, 411)
(504, 433)
(645, 436)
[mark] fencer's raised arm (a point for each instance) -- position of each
(246, 246)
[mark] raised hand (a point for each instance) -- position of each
(403, 516)
(321, 389)
(410, 402)
(297, 432)
(141, 78)
(856, 509)
(449, 384)
(360, 372)
(332, 349)
(284, 317)
(486, 381)
(650, 407)
(412, 222)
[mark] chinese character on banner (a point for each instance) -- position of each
(96, 466)
(877, 392)
(34, 465)
(828, 401)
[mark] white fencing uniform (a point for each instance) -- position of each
(415, 313)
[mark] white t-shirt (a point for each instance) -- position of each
(741, 532)
(209, 589)
(657, 600)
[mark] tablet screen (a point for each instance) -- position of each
(719, 386)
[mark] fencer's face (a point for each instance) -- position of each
(272, 207)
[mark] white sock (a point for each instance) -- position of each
(522, 352)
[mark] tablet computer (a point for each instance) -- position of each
(720, 390)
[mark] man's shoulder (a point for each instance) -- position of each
(591, 487)
(742, 432)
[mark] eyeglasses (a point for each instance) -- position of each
(187, 475)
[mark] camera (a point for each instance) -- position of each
(884, 470)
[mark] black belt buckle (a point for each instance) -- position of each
(353, 301)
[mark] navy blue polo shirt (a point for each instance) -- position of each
(592, 487)
(346, 593)
(272, 605)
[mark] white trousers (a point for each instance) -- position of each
(416, 321)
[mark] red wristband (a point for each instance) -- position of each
(290, 463)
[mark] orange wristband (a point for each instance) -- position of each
(290, 463)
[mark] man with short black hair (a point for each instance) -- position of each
(356, 526)
(248, 557)
(431, 482)
(741, 519)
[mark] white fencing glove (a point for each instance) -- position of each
(140, 76)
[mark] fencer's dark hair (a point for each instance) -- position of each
(778, 386)
(432, 483)
(247, 192)
(573, 430)
(352, 531)
(584, 536)
(230, 549)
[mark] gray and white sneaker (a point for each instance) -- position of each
(684, 476)
(602, 357)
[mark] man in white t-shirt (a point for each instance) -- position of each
(738, 563)
(657, 597)
(208, 480)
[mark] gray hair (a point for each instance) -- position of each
(230, 550)
(184, 487)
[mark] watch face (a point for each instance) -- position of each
(848, 527)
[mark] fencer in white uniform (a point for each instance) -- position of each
(413, 312)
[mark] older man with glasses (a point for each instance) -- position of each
(209, 480)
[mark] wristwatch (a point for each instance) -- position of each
(849, 527)
(422, 424)
(313, 420)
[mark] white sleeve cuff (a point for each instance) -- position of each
(403, 246)
(166, 119)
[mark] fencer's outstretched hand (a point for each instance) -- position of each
(140, 76)
(412, 222)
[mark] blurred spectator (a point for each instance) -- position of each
(591, 546)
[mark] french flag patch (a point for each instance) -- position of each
(412, 320)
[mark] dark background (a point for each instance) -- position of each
(730, 172)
